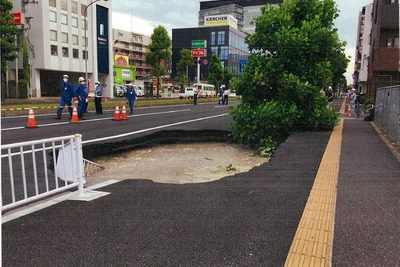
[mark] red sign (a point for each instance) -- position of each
(19, 18)
(205, 61)
(198, 52)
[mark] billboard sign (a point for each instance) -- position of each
(220, 20)
(199, 44)
(199, 52)
(102, 40)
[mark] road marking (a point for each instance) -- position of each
(99, 119)
(312, 243)
(152, 129)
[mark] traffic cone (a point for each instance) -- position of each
(74, 118)
(124, 116)
(116, 114)
(31, 119)
(349, 111)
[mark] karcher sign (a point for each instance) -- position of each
(220, 20)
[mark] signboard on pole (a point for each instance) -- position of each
(19, 18)
(199, 44)
(199, 52)
(241, 65)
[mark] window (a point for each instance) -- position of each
(64, 5)
(64, 19)
(53, 35)
(74, 22)
(84, 41)
(65, 51)
(221, 38)
(396, 42)
(53, 49)
(53, 16)
(74, 7)
(52, 3)
(84, 54)
(75, 39)
(214, 50)
(64, 37)
(224, 53)
(212, 38)
(75, 53)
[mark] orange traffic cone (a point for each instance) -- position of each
(74, 118)
(124, 116)
(116, 114)
(31, 119)
(349, 111)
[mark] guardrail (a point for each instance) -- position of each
(387, 110)
(37, 169)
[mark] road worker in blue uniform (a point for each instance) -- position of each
(66, 97)
(80, 94)
(131, 96)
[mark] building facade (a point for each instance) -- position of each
(67, 37)
(225, 41)
(383, 58)
(129, 56)
(243, 10)
(363, 47)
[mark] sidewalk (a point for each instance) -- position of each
(249, 219)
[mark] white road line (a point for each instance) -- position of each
(152, 129)
(99, 119)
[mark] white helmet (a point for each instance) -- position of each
(81, 79)
(65, 76)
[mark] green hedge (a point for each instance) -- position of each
(23, 89)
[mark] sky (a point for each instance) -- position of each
(143, 16)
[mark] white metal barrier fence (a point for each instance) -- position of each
(37, 169)
(387, 110)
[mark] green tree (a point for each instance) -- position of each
(185, 61)
(8, 33)
(227, 75)
(294, 53)
(215, 71)
(159, 53)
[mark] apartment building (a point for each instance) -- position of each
(383, 61)
(66, 37)
(363, 48)
(243, 10)
(129, 56)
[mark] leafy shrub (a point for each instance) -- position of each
(263, 126)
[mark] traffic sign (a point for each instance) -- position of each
(205, 61)
(241, 65)
(199, 52)
(199, 44)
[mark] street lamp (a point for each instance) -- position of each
(86, 40)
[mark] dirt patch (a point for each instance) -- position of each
(177, 163)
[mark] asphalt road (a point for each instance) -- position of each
(100, 128)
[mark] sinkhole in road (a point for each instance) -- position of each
(174, 157)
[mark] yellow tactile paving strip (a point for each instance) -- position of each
(312, 243)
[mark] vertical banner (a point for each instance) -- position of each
(102, 40)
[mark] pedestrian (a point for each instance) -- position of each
(220, 95)
(353, 98)
(98, 94)
(225, 97)
(131, 96)
(66, 97)
(81, 96)
(329, 97)
(195, 92)
(87, 97)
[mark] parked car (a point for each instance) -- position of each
(120, 90)
(139, 90)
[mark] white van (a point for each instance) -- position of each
(139, 90)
